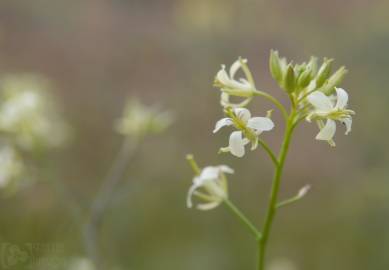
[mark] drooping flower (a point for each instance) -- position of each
(243, 87)
(331, 109)
(210, 186)
(249, 128)
(139, 120)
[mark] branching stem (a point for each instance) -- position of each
(272, 207)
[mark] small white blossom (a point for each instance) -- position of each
(139, 120)
(243, 87)
(28, 115)
(333, 108)
(249, 128)
(213, 185)
(11, 166)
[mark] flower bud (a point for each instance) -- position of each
(336, 78)
(312, 65)
(290, 79)
(324, 72)
(304, 79)
(275, 66)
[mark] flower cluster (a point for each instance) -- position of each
(314, 95)
(139, 120)
(28, 115)
(29, 121)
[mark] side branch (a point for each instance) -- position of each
(275, 102)
(269, 152)
(243, 219)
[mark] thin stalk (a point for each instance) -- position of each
(274, 101)
(243, 219)
(272, 208)
(102, 200)
(269, 152)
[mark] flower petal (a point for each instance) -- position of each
(234, 68)
(237, 144)
(260, 123)
(320, 101)
(243, 114)
(342, 98)
(222, 123)
(222, 76)
(226, 169)
(189, 202)
(208, 206)
(209, 173)
(347, 122)
(327, 132)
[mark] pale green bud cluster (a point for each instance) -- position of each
(139, 120)
(297, 78)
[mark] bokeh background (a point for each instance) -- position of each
(97, 53)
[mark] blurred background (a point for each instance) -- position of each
(96, 53)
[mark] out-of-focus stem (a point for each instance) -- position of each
(102, 200)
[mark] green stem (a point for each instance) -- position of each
(272, 208)
(269, 152)
(243, 219)
(274, 101)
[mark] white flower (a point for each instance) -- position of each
(28, 115)
(249, 130)
(213, 184)
(330, 108)
(139, 120)
(10, 166)
(243, 87)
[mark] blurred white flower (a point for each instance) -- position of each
(80, 264)
(139, 120)
(28, 115)
(331, 109)
(243, 87)
(249, 130)
(282, 264)
(11, 167)
(213, 185)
